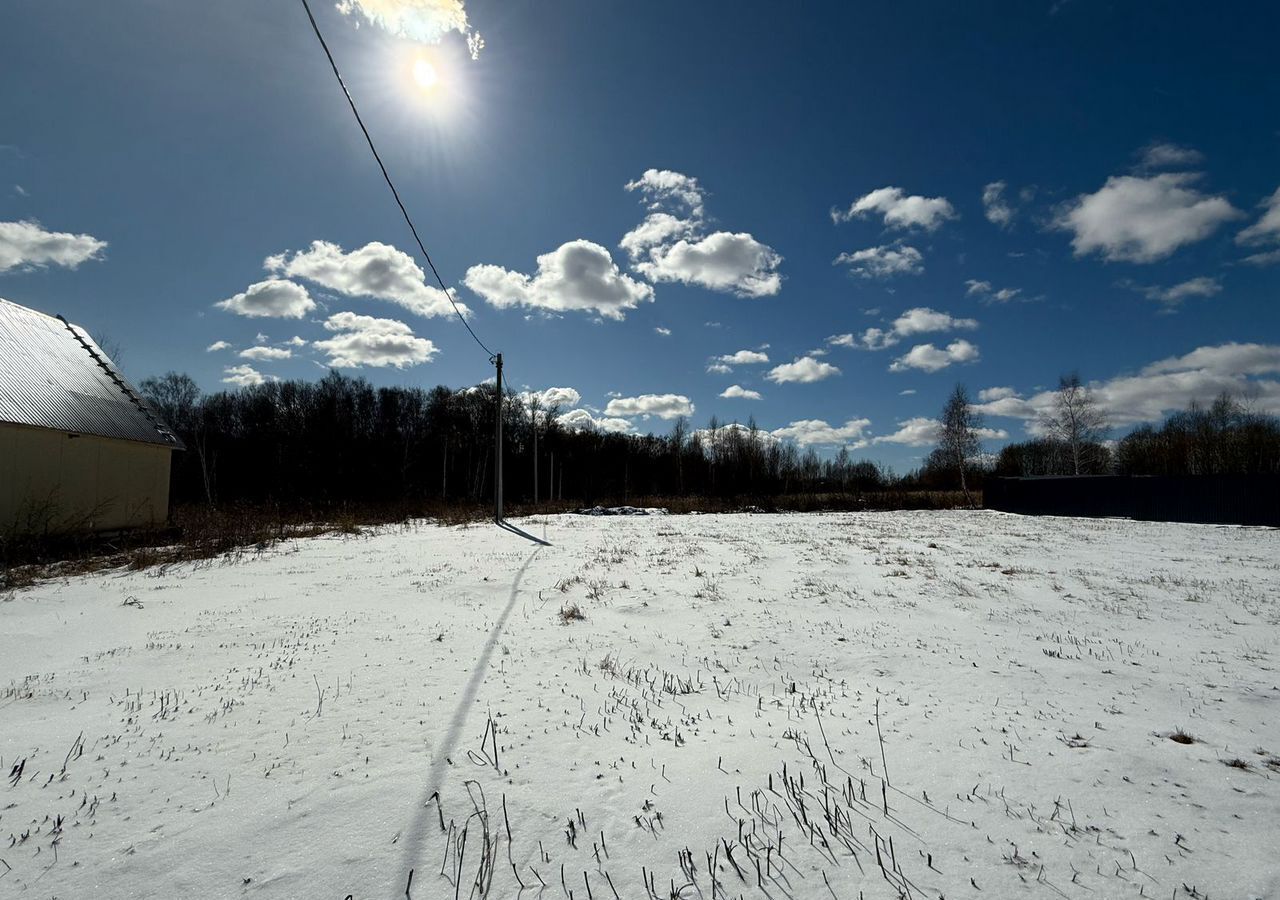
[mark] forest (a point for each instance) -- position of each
(340, 440)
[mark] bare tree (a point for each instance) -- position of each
(958, 435)
(1076, 421)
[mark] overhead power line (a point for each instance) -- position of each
(404, 212)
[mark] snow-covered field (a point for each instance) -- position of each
(786, 706)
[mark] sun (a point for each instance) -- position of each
(425, 74)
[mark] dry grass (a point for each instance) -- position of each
(199, 532)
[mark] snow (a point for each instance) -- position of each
(278, 724)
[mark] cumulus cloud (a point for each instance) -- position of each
(744, 358)
(216, 346)
(929, 358)
(718, 368)
(923, 432)
(899, 209)
(582, 420)
(1267, 229)
(1166, 385)
(803, 370)
(665, 332)
(996, 393)
(817, 432)
(664, 406)
(27, 244)
(663, 186)
(712, 437)
(1142, 219)
(273, 298)
(368, 341)
(552, 396)
(994, 205)
(733, 262)
(423, 21)
(884, 261)
(243, 376)
(579, 275)
(672, 243)
(918, 320)
(987, 294)
(1164, 155)
(375, 270)
(266, 353)
(737, 392)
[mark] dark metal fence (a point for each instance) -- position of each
(1215, 499)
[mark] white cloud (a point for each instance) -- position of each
(1269, 258)
(711, 437)
(803, 370)
(884, 261)
(27, 244)
(423, 21)
(1164, 155)
(273, 298)
(995, 207)
(374, 270)
(1173, 295)
(907, 393)
(665, 332)
(581, 420)
(929, 358)
(672, 245)
(922, 432)
(243, 376)
(1142, 220)
(368, 341)
(899, 209)
(665, 186)
(1267, 228)
(216, 346)
(664, 406)
(1223, 359)
(719, 368)
(552, 396)
(737, 392)
(1168, 385)
(266, 353)
(723, 261)
(578, 275)
(996, 393)
(296, 341)
(987, 294)
(918, 320)
(744, 358)
(817, 432)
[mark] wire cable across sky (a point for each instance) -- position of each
(387, 177)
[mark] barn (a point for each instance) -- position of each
(80, 449)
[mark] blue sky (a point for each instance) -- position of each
(881, 199)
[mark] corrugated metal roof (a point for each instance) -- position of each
(53, 375)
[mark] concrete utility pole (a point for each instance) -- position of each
(497, 447)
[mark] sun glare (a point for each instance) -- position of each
(425, 74)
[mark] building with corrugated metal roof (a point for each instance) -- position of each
(80, 449)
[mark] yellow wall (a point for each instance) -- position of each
(79, 482)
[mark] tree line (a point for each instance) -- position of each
(341, 440)
(1226, 437)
